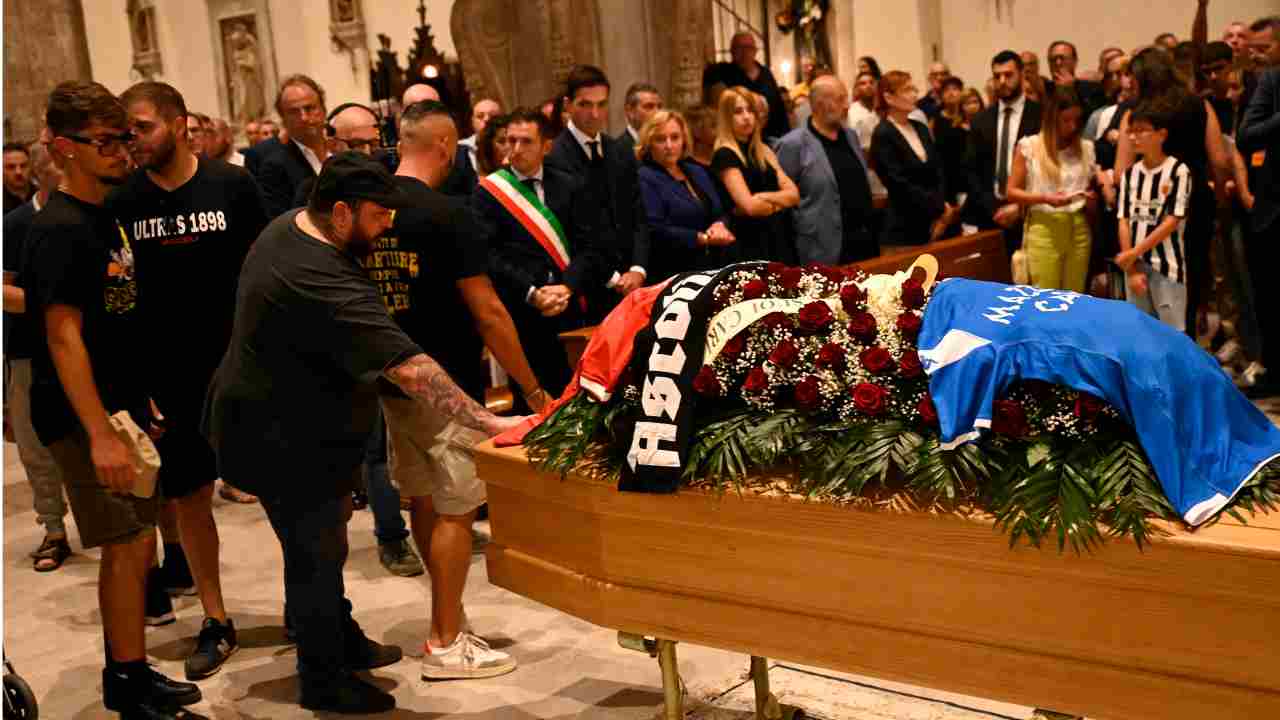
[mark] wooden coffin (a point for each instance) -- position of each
(1187, 630)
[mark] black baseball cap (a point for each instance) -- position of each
(349, 176)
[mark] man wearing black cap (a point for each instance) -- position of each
(295, 396)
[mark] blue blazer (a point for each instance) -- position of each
(675, 218)
(1260, 130)
(819, 224)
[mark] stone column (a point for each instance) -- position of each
(44, 44)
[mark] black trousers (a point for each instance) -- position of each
(1262, 254)
(313, 537)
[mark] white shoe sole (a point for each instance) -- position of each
(443, 673)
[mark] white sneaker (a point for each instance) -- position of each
(1250, 376)
(1229, 351)
(468, 657)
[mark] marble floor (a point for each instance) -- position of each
(568, 668)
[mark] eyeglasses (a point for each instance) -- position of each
(361, 145)
(107, 146)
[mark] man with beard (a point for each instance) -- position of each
(80, 286)
(294, 398)
(190, 222)
(989, 155)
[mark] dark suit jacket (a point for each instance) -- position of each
(980, 160)
(282, 170)
(626, 141)
(622, 217)
(517, 262)
(917, 190)
(1260, 130)
(253, 154)
(462, 179)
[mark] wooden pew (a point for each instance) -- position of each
(1187, 630)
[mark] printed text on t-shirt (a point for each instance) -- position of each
(1045, 301)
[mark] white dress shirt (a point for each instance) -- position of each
(312, 158)
(1015, 122)
(542, 193)
(635, 136)
(236, 158)
(471, 144)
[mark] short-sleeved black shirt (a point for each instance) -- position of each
(292, 404)
(77, 255)
(417, 266)
(19, 333)
(189, 244)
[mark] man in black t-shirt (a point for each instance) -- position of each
(431, 269)
(190, 222)
(291, 405)
(79, 282)
(19, 340)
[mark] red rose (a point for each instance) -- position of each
(909, 325)
(869, 398)
(776, 320)
(833, 275)
(852, 298)
(790, 278)
(754, 289)
(1010, 419)
(784, 354)
(757, 381)
(1088, 406)
(876, 360)
(912, 294)
(909, 365)
(830, 356)
(734, 347)
(928, 413)
(807, 396)
(815, 316)
(706, 382)
(862, 326)
(775, 268)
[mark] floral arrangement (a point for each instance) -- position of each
(836, 394)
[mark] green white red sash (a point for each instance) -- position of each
(536, 217)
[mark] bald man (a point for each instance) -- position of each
(417, 93)
(356, 128)
(746, 71)
(825, 159)
(931, 104)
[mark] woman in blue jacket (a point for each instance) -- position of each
(682, 204)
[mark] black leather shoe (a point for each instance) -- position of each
(123, 692)
(146, 711)
(365, 654)
(349, 696)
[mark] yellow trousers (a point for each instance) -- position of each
(1057, 247)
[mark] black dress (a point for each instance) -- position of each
(951, 140)
(758, 238)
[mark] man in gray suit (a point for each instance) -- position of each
(824, 159)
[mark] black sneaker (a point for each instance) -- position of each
(216, 643)
(159, 610)
(359, 499)
(175, 576)
(349, 696)
(146, 690)
(399, 559)
(365, 654)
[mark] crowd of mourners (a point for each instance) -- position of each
(315, 320)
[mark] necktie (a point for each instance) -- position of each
(1002, 162)
(595, 151)
(532, 184)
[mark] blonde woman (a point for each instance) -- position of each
(1051, 177)
(757, 188)
(688, 225)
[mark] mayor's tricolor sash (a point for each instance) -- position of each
(536, 217)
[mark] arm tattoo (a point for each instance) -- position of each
(424, 380)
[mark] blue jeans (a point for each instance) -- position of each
(313, 537)
(1165, 299)
(384, 499)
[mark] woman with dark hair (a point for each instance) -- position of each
(687, 222)
(910, 166)
(972, 104)
(952, 132)
(1051, 176)
(1195, 138)
(491, 145)
(868, 64)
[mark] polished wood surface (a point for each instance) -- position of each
(980, 256)
(1186, 629)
